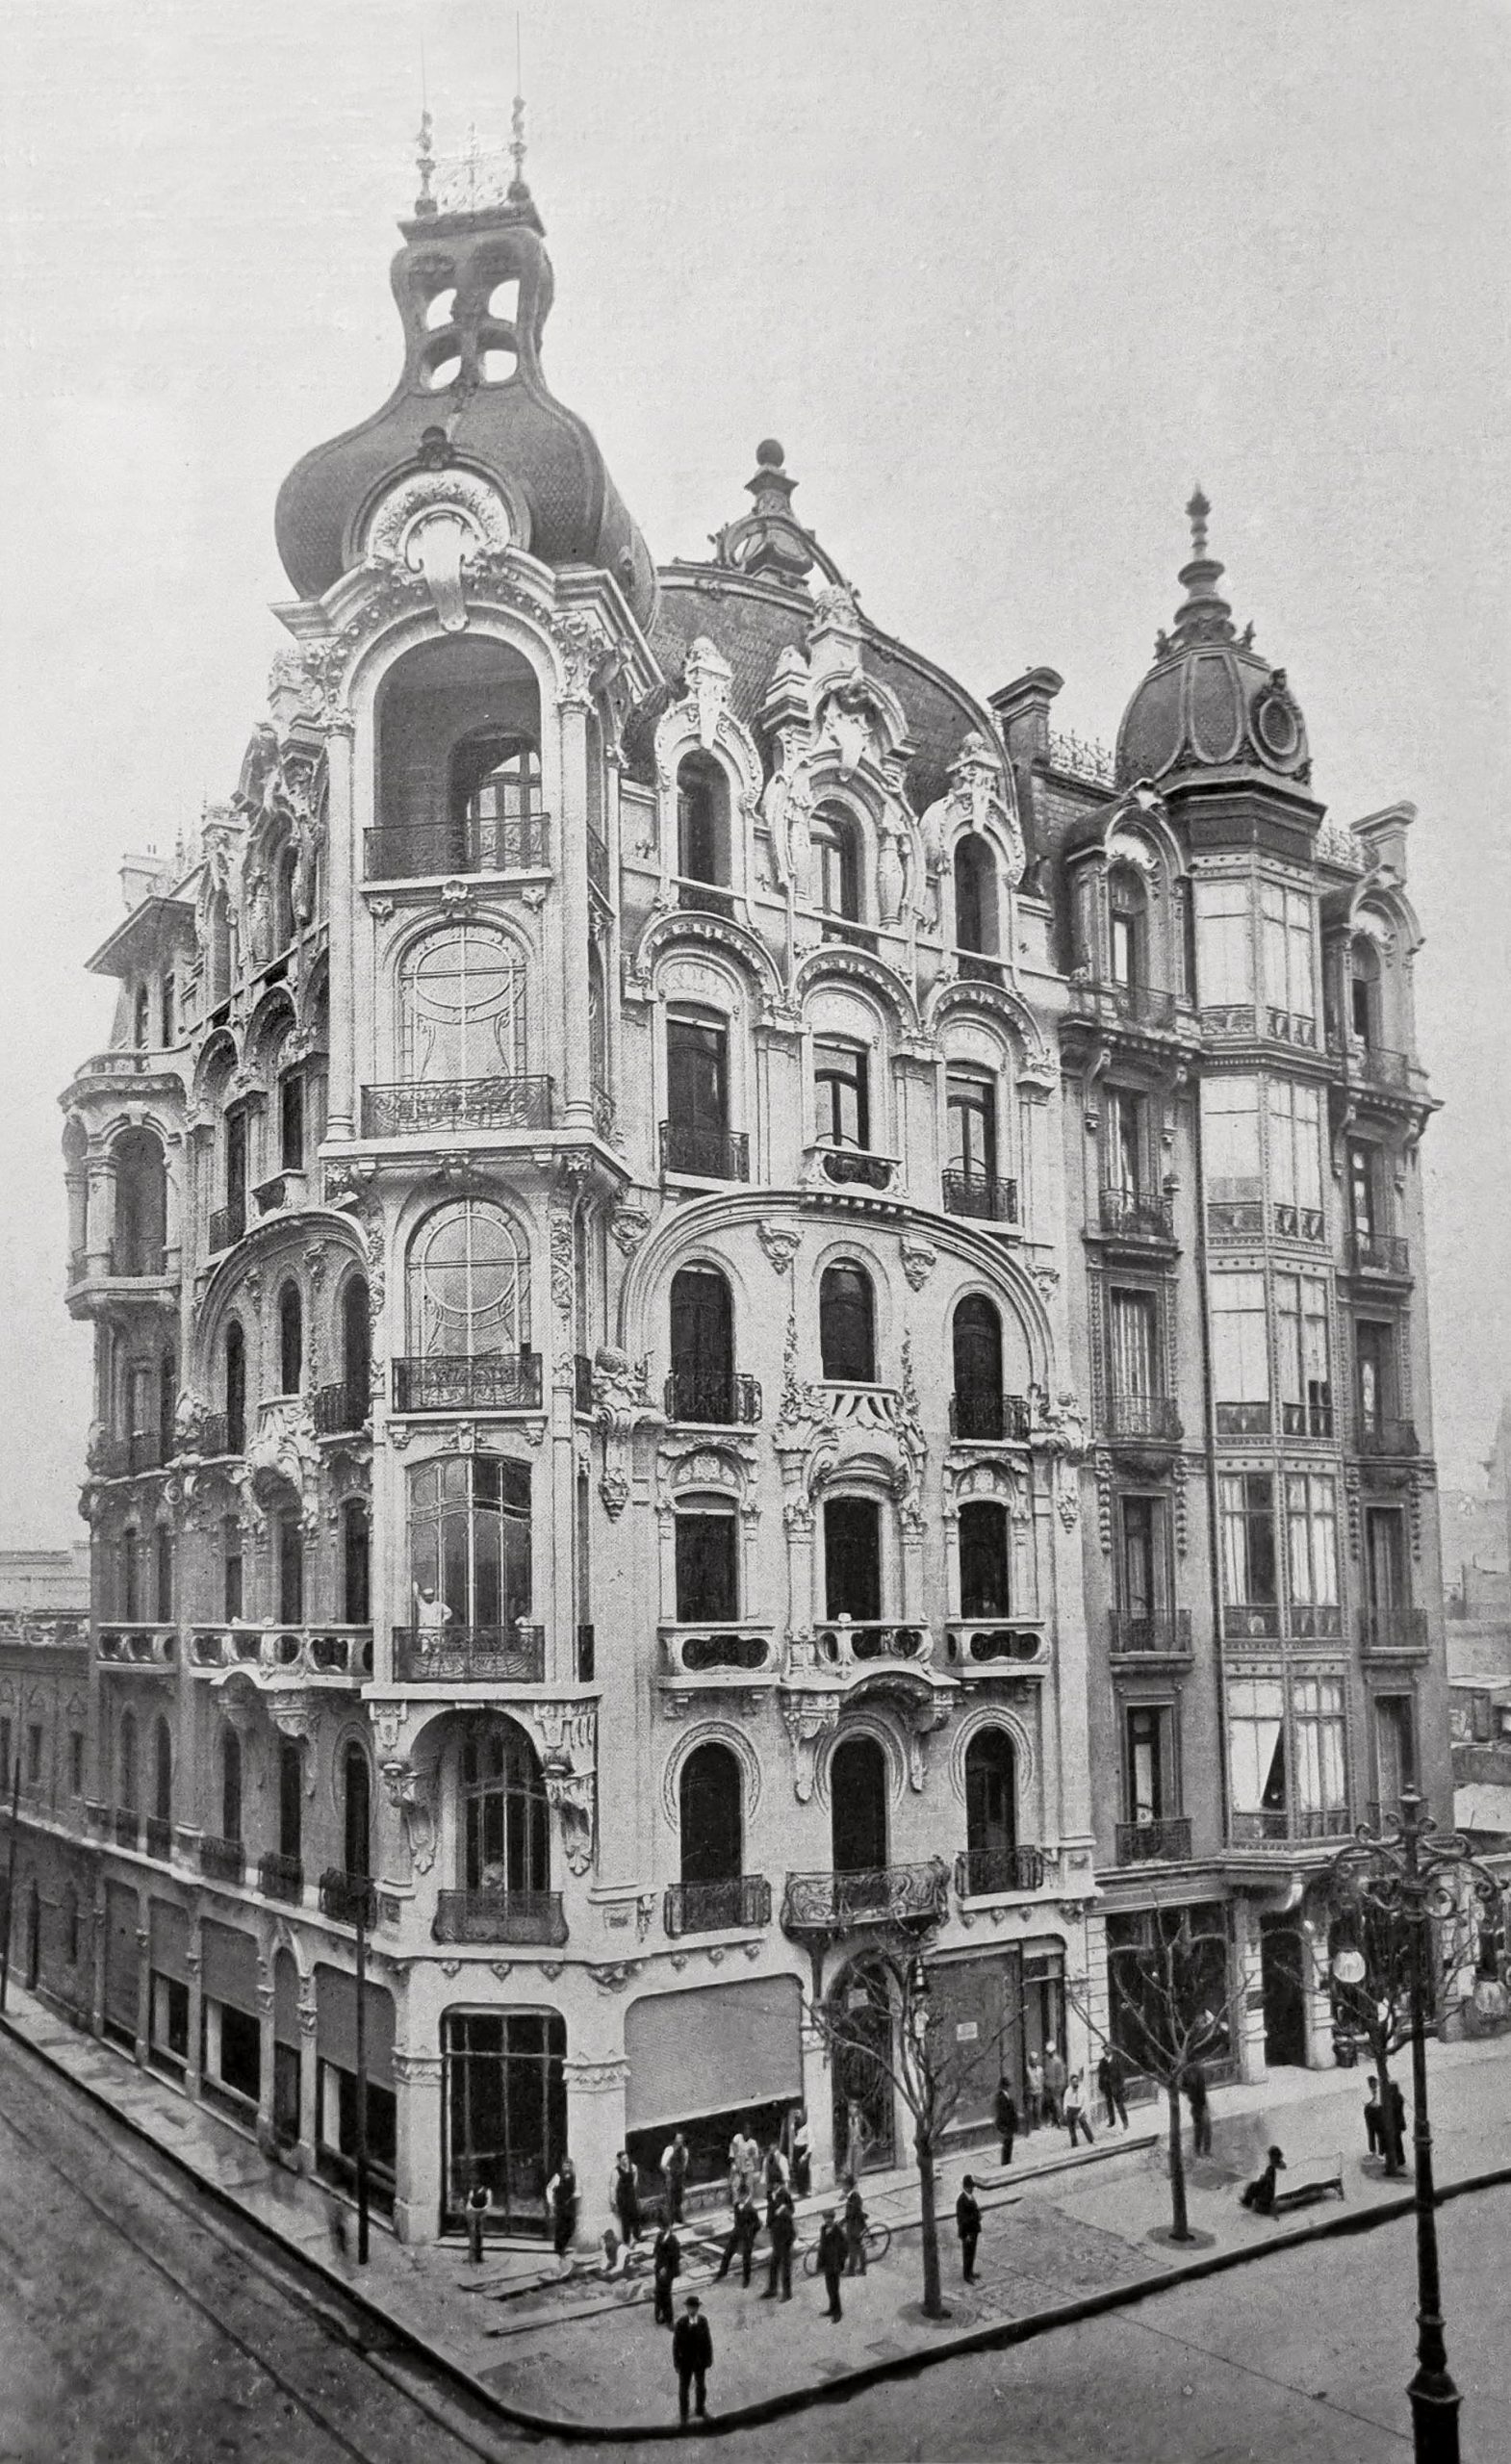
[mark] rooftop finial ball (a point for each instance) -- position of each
(769, 454)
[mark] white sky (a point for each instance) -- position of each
(1004, 275)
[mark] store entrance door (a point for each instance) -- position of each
(1284, 2005)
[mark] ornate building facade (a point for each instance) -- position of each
(707, 1259)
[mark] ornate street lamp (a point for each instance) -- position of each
(1419, 1880)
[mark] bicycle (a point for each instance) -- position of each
(876, 2240)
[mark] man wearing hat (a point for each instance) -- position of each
(692, 2351)
(831, 2259)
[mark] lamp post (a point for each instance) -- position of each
(1410, 1874)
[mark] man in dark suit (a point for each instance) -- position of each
(831, 2259)
(692, 2352)
(783, 2226)
(967, 2223)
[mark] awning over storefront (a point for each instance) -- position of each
(171, 1940)
(229, 1968)
(336, 2025)
(712, 2048)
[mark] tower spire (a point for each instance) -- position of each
(1203, 616)
(518, 187)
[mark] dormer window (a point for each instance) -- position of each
(1128, 929)
(975, 897)
(703, 830)
(837, 864)
(1364, 992)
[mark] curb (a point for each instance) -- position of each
(795, 2400)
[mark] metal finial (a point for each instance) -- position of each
(517, 186)
(425, 164)
(1198, 510)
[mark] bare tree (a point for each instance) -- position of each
(1369, 1942)
(896, 2031)
(1172, 2005)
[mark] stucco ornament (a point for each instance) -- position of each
(1059, 1431)
(919, 1260)
(285, 1446)
(621, 1405)
(808, 1718)
(980, 798)
(412, 1792)
(430, 522)
(190, 1415)
(566, 1739)
(780, 1241)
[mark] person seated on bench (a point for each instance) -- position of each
(1260, 2194)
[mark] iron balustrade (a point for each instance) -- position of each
(841, 1642)
(499, 1917)
(1143, 1415)
(831, 1904)
(1154, 1843)
(280, 1877)
(981, 1411)
(158, 1837)
(1141, 1005)
(712, 1399)
(502, 843)
(1387, 1437)
(1243, 1420)
(1380, 1253)
(499, 1381)
(338, 1410)
(348, 1899)
(227, 1224)
(984, 1196)
(705, 1154)
(1251, 1620)
(1396, 1628)
(1137, 1213)
(470, 1654)
(1163, 1632)
(223, 1861)
(1375, 1062)
(1306, 1419)
(456, 1103)
(715, 1907)
(989, 1873)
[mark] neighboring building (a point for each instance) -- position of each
(1476, 1549)
(45, 1716)
(584, 1215)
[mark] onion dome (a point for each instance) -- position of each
(473, 284)
(1211, 703)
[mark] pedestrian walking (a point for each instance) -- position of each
(1056, 2077)
(1110, 2077)
(1034, 2091)
(1005, 2112)
(855, 2229)
(692, 2358)
(744, 2163)
(740, 2239)
(674, 2176)
(968, 2224)
(1074, 2109)
(1259, 2193)
(666, 2265)
(623, 2196)
(1195, 2083)
(783, 2226)
(858, 2137)
(802, 2156)
(476, 2214)
(561, 2198)
(1374, 2121)
(831, 2259)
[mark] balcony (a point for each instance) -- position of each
(831, 1904)
(1385, 1438)
(150, 1648)
(730, 1652)
(419, 1106)
(705, 1154)
(426, 851)
(1394, 1631)
(996, 1873)
(118, 1458)
(1277, 1827)
(499, 1917)
(281, 1878)
(1298, 1222)
(845, 1646)
(336, 1655)
(222, 1861)
(1228, 1021)
(130, 1263)
(470, 1654)
(1235, 1219)
(717, 1907)
(980, 1195)
(1306, 1419)
(348, 1899)
(981, 1412)
(1381, 1253)
(987, 1647)
(1290, 1026)
(1155, 1634)
(340, 1411)
(1375, 1063)
(704, 898)
(1153, 1844)
(1133, 1215)
(281, 1192)
(499, 1381)
(1316, 1622)
(126, 1826)
(1241, 1419)
(849, 1168)
(227, 1225)
(158, 1837)
(1135, 1004)
(1250, 1621)
(973, 967)
(1155, 1416)
(712, 1399)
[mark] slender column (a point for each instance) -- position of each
(596, 2093)
(99, 1213)
(417, 2199)
(308, 2083)
(572, 873)
(818, 2097)
(1248, 1950)
(143, 1986)
(340, 854)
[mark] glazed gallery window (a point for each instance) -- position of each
(1246, 1513)
(1295, 1144)
(1224, 946)
(1230, 1138)
(1312, 1538)
(842, 1094)
(1321, 1773)
(1149, 1761)
(506, 1817)
(707, 1562)
(1239, 1353)
(1285, 928)
(461, 997)
(468, 1288)
(1301, 1312)
(1257, 1746)
(470, 1539)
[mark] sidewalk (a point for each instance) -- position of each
(583, 2355)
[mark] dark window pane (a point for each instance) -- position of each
(706, 1574)
(853, 1558)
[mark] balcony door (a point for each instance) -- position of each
(713, 1840)
(462, 1008)
(470, 1543)
(702, 1345)
(1375, 1346)
(853, 1559)
(858, 1805)
(505, 1843)
(697, 1097)
(1385, 1568)
(991, 1811)
(975, 1342)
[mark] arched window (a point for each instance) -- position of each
(505, 1839)
(1364, 991)
(975, 897)
(984, 1557)
(494, 800)
(841, 1093)
(356, 1352)
(975, 1342)
(230, 1785)
(290, 1340)
(282, 868)
(290, 1797)
(234, 1388)
(847, 1326)
(837, 862)
(163, 1574)
(356, 1811)
(128, 1763)
(1128, 927)
(462, 1020)
(467, 1299)
(991, 1811)
(701, 1383)
(970, 1176)
(356, 1599)
(142, 1018)
(290, 1531)
(712, 1840)
(163, 1772)
(858, 1805)
(141, 1204)
(703, 826)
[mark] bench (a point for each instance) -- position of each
(1309, 2177)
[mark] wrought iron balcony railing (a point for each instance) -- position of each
(339, 1410)
(982, 1411)
(987, 1197)
(1306, 1419)
(1387, 1437)
(712, 1397)
(348, 1899)
(227, 1224)
(704, 898)
(1374, 1063)
(424, 1104)
(705, 1154)
(991, 1873)
(705, 1647)
(1316, 1621)
(974, 966)
(1141, 1005)
(1380, 1253)
(843, 1643)
(1396, 1628)
(713, 1907)
(505, 843)
(1251, 1620)
(280, 1877)
(470, 1654)
(1163, 1633)
(225, 1861)
(1143, 1415)
(1153, 1844)
(1241, 1419)
(499, 1917)
(831, 1904)
(1282, 1827)
(1136, 1215)
(499, 1381)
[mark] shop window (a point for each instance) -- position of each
(847, 1326)
(853, 1559)
(707, 1563)
(233, 2049)
(505, 2104)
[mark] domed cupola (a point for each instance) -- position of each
(471, 418)
(1210, 705)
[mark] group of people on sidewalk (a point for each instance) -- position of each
(1056, 2094)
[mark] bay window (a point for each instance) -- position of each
(1301, 1330)
(1230, 1139)
(1295, 1156)
(1240, 1354)
(470, 1539)
(1321, 1773)
(1257, 1756)
(1312, 1553)
(1286, 939)
(1224, 948)
(1246, 1516)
